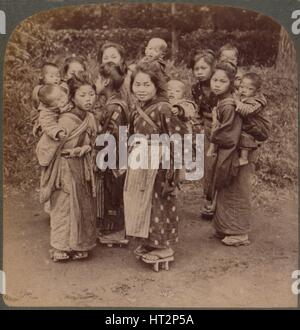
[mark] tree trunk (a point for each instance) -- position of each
(174, 33)
(286, 57)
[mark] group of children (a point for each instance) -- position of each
(51, 98)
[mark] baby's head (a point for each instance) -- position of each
(175, 90)
(50, 74)
(202, 64)
(53, 96)
(250, 84)
(156, 49)
(229, 53)
(73, 66)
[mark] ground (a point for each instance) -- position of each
(205, 273)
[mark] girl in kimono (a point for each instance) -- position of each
(113, 52)
(111, 181)
(231, 183)
(67, 181)
(202, 65)
(155, 218)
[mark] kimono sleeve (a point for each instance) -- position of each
(170, 123)
(49, 123)
(227, 132)
(115, 114)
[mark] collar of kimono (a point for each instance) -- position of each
(80, 129)
(228, 100)
(113, 97)
(155, 101)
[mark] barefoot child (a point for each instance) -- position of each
(156, 50)
(181, 107)
(50, 74)
(250, 105)
(184, 110)
(54, 101)
(108, 83)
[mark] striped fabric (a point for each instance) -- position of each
(138, 191)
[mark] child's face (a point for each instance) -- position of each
(229, 55)
(75, 68)
(246, 88)
(143, 87)
(111, 54)
(51, 75)
(153, 49)
(220, 83)
(85, 97)
(202, 70)
(175, 91)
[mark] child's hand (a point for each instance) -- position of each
(211, 150)
(238, 105)
(61, 135)
(100, 128)
(209, 153)
(175, 111)
(84, 150)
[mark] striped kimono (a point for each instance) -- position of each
(68, 183)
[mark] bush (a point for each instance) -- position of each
(31, 45)
(248, 43)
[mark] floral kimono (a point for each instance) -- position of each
(150, 207)
(68, 183)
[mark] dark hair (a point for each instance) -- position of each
(114, 73)
(72, 59)
(153, 69)
(208, 56)
(228, 46)
(229, 67)
(44, 91)
(77, 81)
(255, 78)
(119, 48)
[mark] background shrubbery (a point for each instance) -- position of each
(81, 32)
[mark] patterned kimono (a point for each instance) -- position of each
(110, 183)
(68, 182)
(233, 209)
(150, 209)
(206, 101)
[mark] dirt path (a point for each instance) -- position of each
(204, 274)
